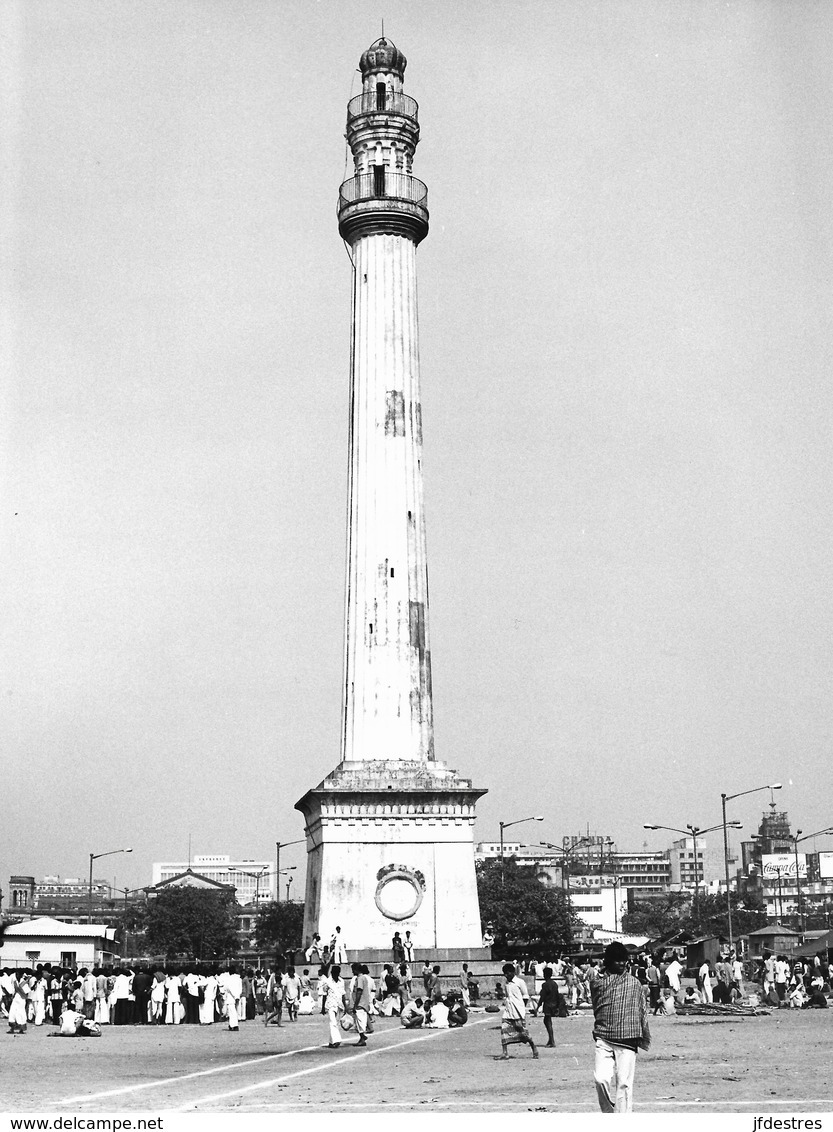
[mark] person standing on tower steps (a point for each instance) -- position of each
(621, 1028)
(338, 950)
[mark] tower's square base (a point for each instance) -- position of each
(391, 848)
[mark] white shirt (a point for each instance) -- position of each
(69, 1021)
(517, 996)
(439, 1016)
(121, 987)
(334, 994)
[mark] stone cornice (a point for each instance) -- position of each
(384, 216)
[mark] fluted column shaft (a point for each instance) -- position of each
(387, 703)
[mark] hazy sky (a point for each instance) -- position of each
(625, 325)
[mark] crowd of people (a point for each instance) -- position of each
(620, 989)
(201, 994)
(149, 995)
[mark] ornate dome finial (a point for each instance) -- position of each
(384, 57)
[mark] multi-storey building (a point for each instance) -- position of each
(788, 882)
(71, 901)
(253, 881)
(642, 874)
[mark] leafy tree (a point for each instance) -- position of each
(191, 921)
(675, 912)
(711, 917)
(280, 925)
(520, 907)
(658, 916)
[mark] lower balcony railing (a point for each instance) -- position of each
(382, 184)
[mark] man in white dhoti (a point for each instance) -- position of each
(18, 1011)
(232, 987)
(157, 998)
(338, 950)
(464, 986)
(335, 1004)
(209, 993)
(362, 1002)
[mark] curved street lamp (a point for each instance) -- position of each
(796, 840)
(278, 870)
(94, 857)
(694, 831)
(724, 798)
(505, 825)
(262, 875)
(565, 854)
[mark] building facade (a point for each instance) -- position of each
(253, 881)
(46, 940)
(791, 884)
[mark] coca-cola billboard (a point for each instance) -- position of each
(775, 865)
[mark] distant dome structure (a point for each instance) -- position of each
(382, 57)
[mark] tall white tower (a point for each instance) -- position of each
(390, 831)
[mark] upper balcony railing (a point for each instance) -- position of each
(382, 102)
(383, 184)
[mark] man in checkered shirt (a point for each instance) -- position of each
(621, 1028)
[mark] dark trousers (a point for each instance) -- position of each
(123, 1012)
(142, 1003)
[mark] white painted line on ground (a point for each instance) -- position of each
(182, 1077)
(329, 1064)
(727, 1104)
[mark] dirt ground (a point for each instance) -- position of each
(771, 1065)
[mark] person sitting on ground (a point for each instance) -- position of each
(816, 999)
(797, 996)
(457, 1013)
(413, 1015)
(667, 1001)
(73, 1024)
(437, 1017)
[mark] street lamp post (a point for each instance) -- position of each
(796, 840)
(262, 875)
(612, 863)
(724, 798)
(505, 825)
(278, 846)
(694, 831)
(565, 871)
(94, 857)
